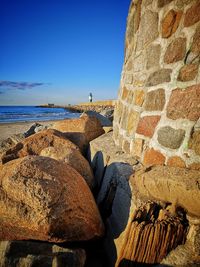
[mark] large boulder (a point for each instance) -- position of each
(42, 254)
(103, 119)
(88, 126)
(74, 158)
(34, 144)
(45, 199)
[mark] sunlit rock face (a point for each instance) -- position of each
(47, 200)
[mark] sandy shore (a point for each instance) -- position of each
(8, 129)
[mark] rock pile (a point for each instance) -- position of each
(45, 193)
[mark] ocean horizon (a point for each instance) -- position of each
(11, 114)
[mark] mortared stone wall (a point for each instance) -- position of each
(157, 113)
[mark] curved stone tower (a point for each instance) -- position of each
(158, 108)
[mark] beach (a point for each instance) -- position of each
(8, 129)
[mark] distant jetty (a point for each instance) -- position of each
(97, 106)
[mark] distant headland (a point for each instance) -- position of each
(97, 106)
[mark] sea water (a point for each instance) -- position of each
(31, 113)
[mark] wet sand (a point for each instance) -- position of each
(8, 129)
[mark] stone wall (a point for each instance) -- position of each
(157, 113)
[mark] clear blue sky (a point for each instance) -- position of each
(57, 51)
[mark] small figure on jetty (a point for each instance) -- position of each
(90, 97)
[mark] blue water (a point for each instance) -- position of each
(31, 113)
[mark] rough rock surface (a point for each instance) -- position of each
(155, 100)
(159, 76)
(74, 158)
(174, 185)
(184, 103)
(150, 230)
(103, 119)
(170, 137)
(175, 51)
(10, 141)
(34, 144)
(194, 142)
(89, 126)
(41, 254)
(45, 199)
(170, 23)
(147, 125)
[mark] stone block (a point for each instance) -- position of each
(188, 72)
(124, 117)
(153, 157)
(148, 30)
(139, 97)
(137, 147)
(133, 118)
(176, 162)
(124, 93)
(129, 30)
(118, 111)
(147, 125)
(153, 56)
(139, 63)
(102, 152)
(170, 23)
(194, 142)
(137, 15)
(175, 51)
(184, 103)
(158, 77)
(192, 15)
(129, 65)
(128, 79)
(171, 138)
(155, 100)
(174, 185)
(104, 120)
(162, 3)
(130, 97)
(196, 42)
(126, 146)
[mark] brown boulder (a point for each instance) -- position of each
(89, 126)
(45, 199)
(78, 139)
(178, 186)
(74, 158)
(34, 144)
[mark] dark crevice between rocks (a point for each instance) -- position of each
(98, 186)
(105, 206)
